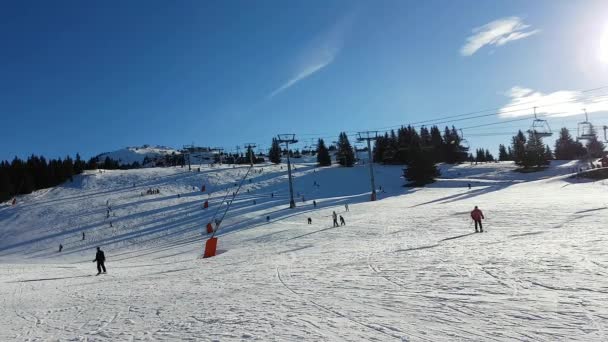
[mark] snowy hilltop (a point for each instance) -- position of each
(407, 267)
(130, 155)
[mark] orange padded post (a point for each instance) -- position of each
(210, 247)
(206, 204)
(209, 228)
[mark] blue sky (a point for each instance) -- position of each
(91, 77)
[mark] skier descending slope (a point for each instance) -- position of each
(477, 216)
(100, 257)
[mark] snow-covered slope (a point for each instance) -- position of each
(407, 267)
(130, 155)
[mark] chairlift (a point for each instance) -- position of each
(540, 127)
(585, 129)
(463, 146)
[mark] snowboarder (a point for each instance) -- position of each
(477, 216)
(335, 217)
(342, 222)
(309, 220)
(60, 248)
(346, 206)
(100, 258)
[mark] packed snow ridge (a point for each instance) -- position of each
(130, 155)
(407, 267)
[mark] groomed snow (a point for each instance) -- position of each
(130, 155)
(407, 267)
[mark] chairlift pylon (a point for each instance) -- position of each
(585, 129)
(540, 127)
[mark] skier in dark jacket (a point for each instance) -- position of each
(100, 257)
(335, 217)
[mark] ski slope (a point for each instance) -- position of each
(407, 267)
(130, 155)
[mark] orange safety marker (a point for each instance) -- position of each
(206, 204)
(210, 247)
(209, 228)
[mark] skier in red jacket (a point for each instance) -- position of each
(477, 216)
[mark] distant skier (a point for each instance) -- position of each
(477, 216)
(335, 217)
(346, 206)
(82, 236)
(342, 222)
(60, 248)
(469, 186)
(309, 220)
(267, 218)
(100, 258)
(314, 203)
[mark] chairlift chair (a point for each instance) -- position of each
(540, 127)
(585, 129)
(464, 143)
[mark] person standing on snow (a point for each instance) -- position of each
(100, 257)
(342, 222)
(335, 217)
(477, 216)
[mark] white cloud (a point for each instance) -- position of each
(497, 33)
(320, 53)
(557, 104)
(305, 72)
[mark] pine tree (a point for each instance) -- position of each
(454, 152)
(323, 158)
(534, 151)
(595, 147)
(421, 169)
(480, 155)
(566, 148)
(380, 148)
(488, 156)
(274, 155)
(503, 155)
(518, 146)
(548, 153)
(437, 143)
(345, 155)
